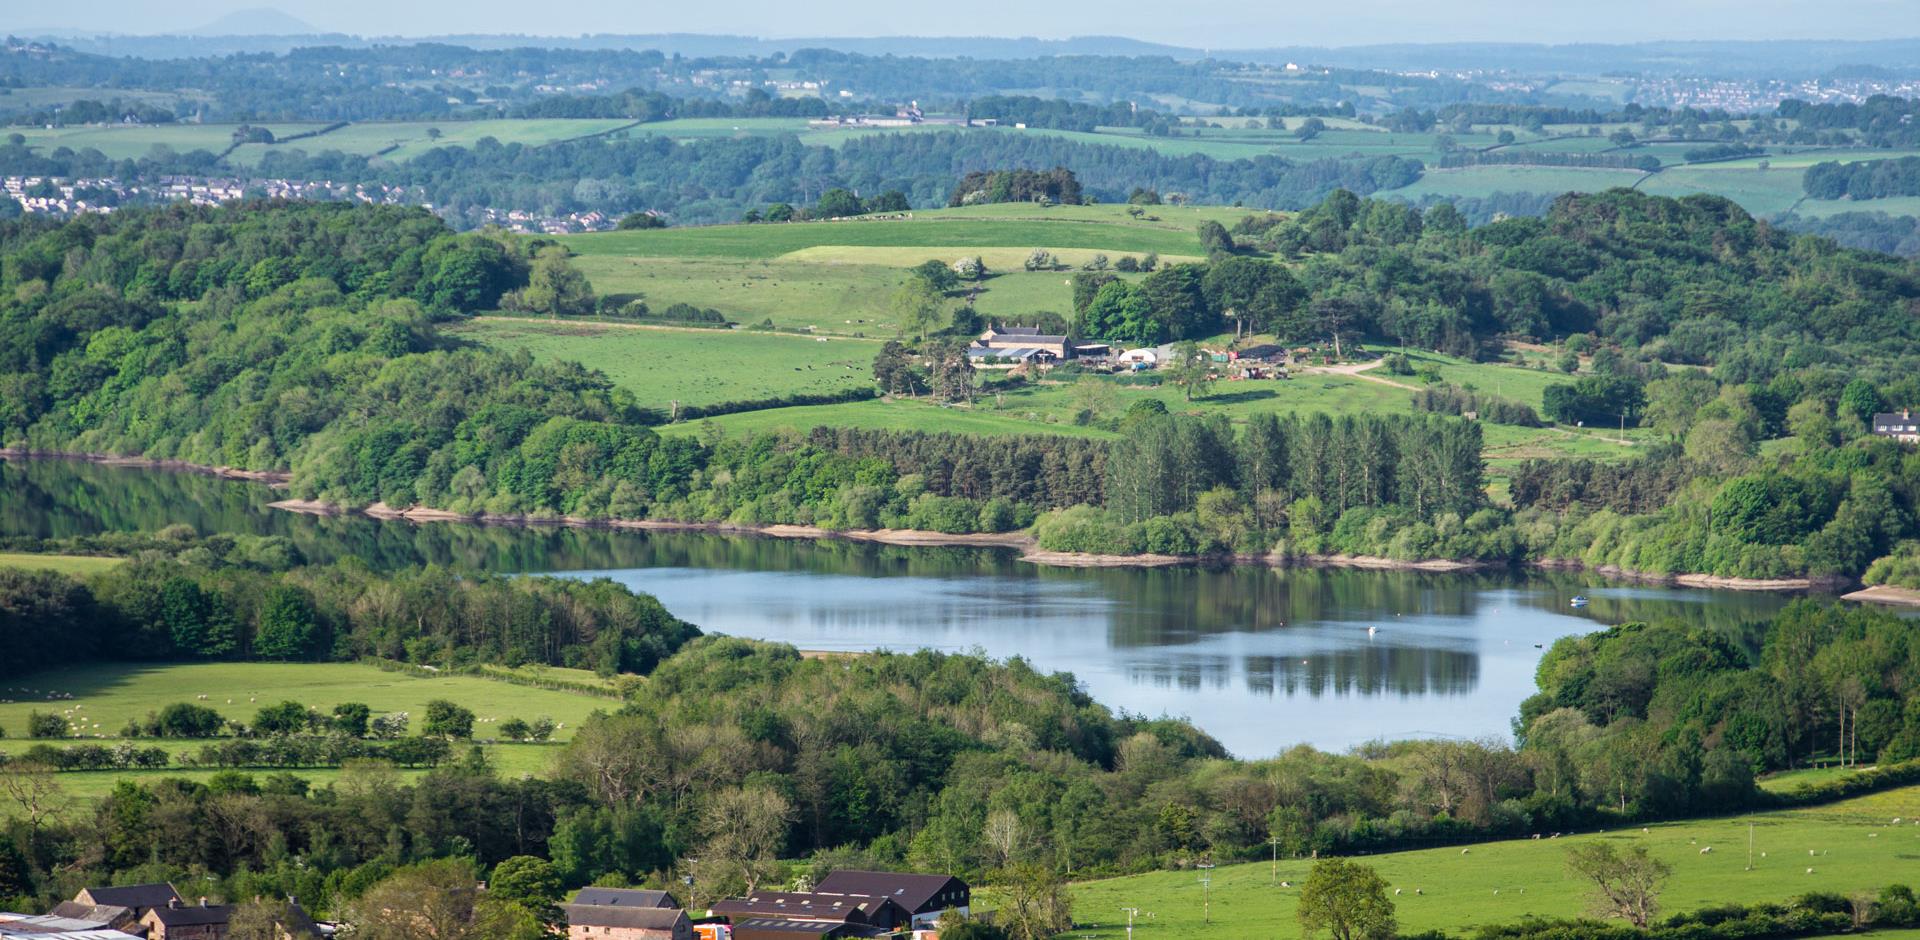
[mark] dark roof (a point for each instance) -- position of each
(913, 892)
(1263, 351)
(625, 897)
(603, 915)
(760, 926)
(80, 910)
(817, 905)
(193, 915)
(147, 895)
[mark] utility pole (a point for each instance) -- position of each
(1749, 845)
(1206, 892)
(1273, 872)
(1131, 911)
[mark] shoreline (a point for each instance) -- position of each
(274, 478)
(1029, 549)
(1885, 594)
(1031, 552)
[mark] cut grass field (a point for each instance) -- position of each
(838, 277)
(105, 696)
(65, 564)
(692, 366)
(1099, 228)
(409, 138)
(1855, 847)
(121, 142)
(82, 786)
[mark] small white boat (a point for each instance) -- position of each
(1579, 600)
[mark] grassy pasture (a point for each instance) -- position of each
(121, 142)
(900, 415)
(412, 137)
(1855, 848)
(692, 366)
(108, 695)
(65, 564)
(1482, 181)
(509, 760)
(773, 241)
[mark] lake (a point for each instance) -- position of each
(1261, 658)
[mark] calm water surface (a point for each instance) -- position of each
(1262, 659)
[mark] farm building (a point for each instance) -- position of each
(630, 922)
(1265, 352)
(1027, 341)
(54, 927)
(181, 921)
(774, 928)
(923, 897)
(107, 915)
(139, 899)
(625, 897)
(855, 909)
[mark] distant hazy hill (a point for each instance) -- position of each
(268, 30)
(258, 21)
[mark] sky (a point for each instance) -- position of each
(1229, 25)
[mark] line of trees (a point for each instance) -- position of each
(200, 608)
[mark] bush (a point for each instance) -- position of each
(284, 718)
(447, 720)
(46, 726)
(185, 720)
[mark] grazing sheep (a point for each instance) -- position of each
(1286, 884)
(1809, 871)
(1707, 851)
(1419, 891)
(1465, 851)
(1396, 891)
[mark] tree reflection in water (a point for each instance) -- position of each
(1261, 658)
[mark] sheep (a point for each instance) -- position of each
(1707, 851)
(1809, 871)
(1419, 891)
(1465, 851)
(1396, 892)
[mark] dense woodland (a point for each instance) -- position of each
(302, 338)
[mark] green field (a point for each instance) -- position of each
(838, 277)
(106, 696)
(1854, 848)
(692, 366)
(411, 138)
(65, 564)
(1102, 228)
(120, 142)
(1483, 181)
